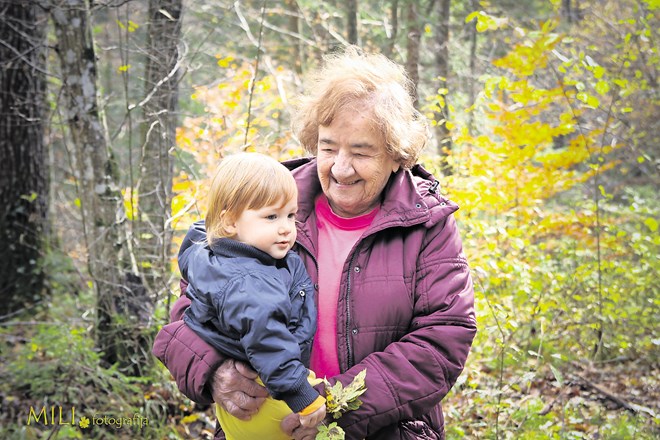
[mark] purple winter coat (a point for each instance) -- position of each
(406, 311)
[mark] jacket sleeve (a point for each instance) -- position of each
(413, 374)
(259, 310)
(305, 329)
(190, 360)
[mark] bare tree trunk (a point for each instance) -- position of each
(295, 28)
(352, 21)
(473, 75)
(570, 10)
(96, 171)
(414, 39)
(23, 159)
(394, 23)
(159, 139)
(442, 65)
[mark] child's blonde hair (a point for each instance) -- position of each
(246, 181)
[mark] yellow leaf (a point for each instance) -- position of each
(602, 87)
(225, 62)
(651, 223)
(189, 419)
(124, 68)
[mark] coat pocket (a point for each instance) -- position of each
(418, 430)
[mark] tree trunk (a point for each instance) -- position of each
(295, 28)
(414, 39)
(23, 159)
(570, 10)
(394, 23)
(160, 107)
(473, 74)
(352, 21)
(442, 66)
(96, 171)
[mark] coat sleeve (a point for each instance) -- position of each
(305, 329)
(190, 360)
(413, 374)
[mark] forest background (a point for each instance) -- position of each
(113, 114)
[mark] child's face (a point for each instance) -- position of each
(271, 229)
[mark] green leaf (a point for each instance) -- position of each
(330, 432)
(558, 376)
(651, 223)
(340, 399)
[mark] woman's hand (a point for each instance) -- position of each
(292, 427)
(313, 419)
(234, 388)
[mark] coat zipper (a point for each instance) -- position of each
(316, 263)
(349, 348)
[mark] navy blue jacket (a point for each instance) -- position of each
(253, 308)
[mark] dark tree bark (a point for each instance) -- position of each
(160, 106)
(413, 42)
(570, 10)
(394, 23)
(95, 171)
(442, 66)
(23, 159)
(352, 21)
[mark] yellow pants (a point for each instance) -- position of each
(265, 425)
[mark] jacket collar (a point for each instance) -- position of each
(410, 197)
(226, 247)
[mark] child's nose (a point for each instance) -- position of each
(285, 228)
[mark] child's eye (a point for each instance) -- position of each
(292, 216)
(271, 217)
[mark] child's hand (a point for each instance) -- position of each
(314, 418)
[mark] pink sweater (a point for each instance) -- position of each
(337, 236)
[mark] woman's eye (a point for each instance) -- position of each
(271, 217)
(292, 216)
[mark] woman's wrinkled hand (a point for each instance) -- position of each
(233, 387)
(292, 427)
(313, 419)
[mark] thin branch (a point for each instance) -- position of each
(162, 81)
(256, 73)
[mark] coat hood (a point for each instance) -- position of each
(410, 197)
(196, 234)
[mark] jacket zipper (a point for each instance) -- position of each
(349, 348)
(316, 263)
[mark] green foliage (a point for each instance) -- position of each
(51, 362)
(556, 178)
(339, 400)
(330, 432)
(563, 250)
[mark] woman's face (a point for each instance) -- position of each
(353, 166)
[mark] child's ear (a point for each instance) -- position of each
(228, 223)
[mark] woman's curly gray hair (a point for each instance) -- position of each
(354, 78)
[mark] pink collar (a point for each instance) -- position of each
(324, 211)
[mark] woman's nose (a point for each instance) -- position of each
(342, 165)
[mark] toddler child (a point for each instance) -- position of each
(251, 297)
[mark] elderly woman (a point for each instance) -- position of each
(380, 243)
